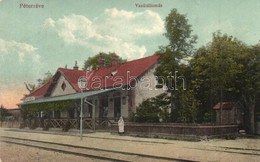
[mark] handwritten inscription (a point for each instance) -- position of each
(22, 5)
(148, 5)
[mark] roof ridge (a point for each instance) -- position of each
(70, 69)
(141, 58)
(157, 55)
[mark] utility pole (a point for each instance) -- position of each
(82, 84)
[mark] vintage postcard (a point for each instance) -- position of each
(129, 80)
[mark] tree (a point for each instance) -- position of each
(249, 83)
(187, 106)
(45, 79)
(178, 32)
(202, 85)
(226, 70)
(3, 113)
(92, 62)
(32, 86)
(180, 47)
(215, 68)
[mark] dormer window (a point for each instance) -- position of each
(113, 73)
(63, 86)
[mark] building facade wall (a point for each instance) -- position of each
(122, 95)
(64, 114)
(124, 104)
(146, 87)
(110, 97)
(110, 105)
(58, 90)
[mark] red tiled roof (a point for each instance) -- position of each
(122, 73)
(102, 77)
(72, 76)
(225, 105)
(40, 91)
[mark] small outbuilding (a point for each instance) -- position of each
(16, 113)
(229, 113)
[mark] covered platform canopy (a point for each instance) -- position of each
(74, 96)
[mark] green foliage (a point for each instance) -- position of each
(31, 109)
(147, 112)
(131, 117)
(187, 107)
(152, 110)
(92, 62)
(226, 70)
(178, 32)
(165, 67)
(163, 102)
(209, 117)
(181, 41)
(48, 76)
(214, 70)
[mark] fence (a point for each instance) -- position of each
(104, 123)
(176, 131)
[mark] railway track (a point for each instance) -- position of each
(231, 150)
(95, 153)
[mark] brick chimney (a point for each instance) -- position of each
(76, 66)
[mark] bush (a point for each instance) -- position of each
(131, 117)
(147, 112)
(152, 110)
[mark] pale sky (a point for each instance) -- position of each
(34, 41)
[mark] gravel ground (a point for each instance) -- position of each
(17, 153)
(212, 150)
